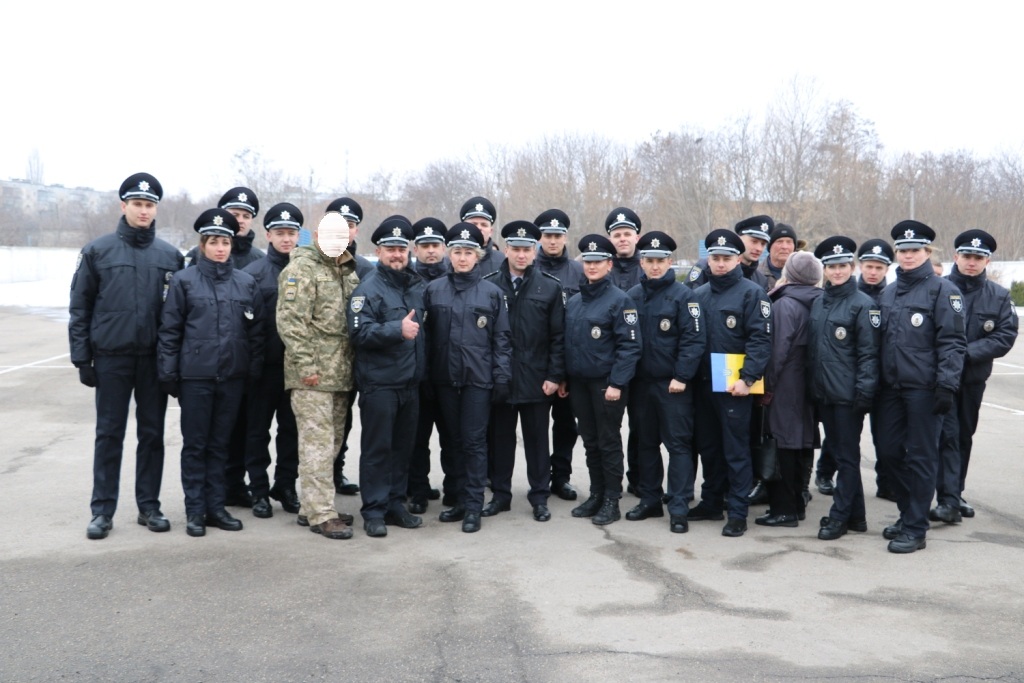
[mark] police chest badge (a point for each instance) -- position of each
(956, 302)
(840, 333)
(248, 314)
(917, 320)
(595, 332)
(766, 308)
(988, 325)
(481, 322)
(730, 322)
(629, 315)
(665, 325)
(357, 303)
(875, 318)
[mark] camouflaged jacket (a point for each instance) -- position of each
(313, 295)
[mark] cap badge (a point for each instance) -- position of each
(344, 208)
(242, 197)
(218, 221)
(479, 207)
(764, 226)
(521, 232)
(876, 249)
(285, 215)
(909, 234)
(722, 241)
(428, 230)
(144, 186)
(592, 246)
(838, 249)
(397, 232)
(976, 242)
(554, 222)
(621, 217)
(464, 234)
(655, 243)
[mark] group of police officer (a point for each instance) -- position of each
(468, 339)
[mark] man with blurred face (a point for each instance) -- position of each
(479, 211)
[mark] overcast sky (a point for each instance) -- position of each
(106, 89)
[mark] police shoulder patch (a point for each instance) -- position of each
(694, 309)
(766, 308)
(629, 315)
(694, 273)
(78, 263)
(357, 303)
(956, 302)
(875, 317)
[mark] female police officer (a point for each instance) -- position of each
(210, 344)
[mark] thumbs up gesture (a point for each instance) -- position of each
(410, 328)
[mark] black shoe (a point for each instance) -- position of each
(758, 495)
(99, 527)
(375, 528)
(452, 514)
(588, 508)
(564, 490)
(702, 513)
(644, 511)
(677, 524)
(946, 513)
(261, 508)
(885, 494)
(345, 487)
(608, 513)
(471, 522)
(891, 532)
(238, 498)
(825, 486)
(965, 509)
(541, 513)
(223, 520)
(402, 518)
(777, 520)
(858, 525)
(905, 543)
(154, 520)
(832, 530)
(196, 525)
(418, 506)
(286, 496)
(496, 506)
(734, 527)
(434, 494)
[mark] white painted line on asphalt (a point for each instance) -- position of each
(1012, 411)
(1008, 365)
(29, 365)
(38, 367)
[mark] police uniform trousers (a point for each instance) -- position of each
(600, 426)
(320, 418)
(827, 467)
(534, 419)
(208, 411)
(563, 440)
(843, 426)
(117, 377)
(236, 465)
(386, 417)
(910, 445)
(958, 427)
(339, 462)
(266, 399)
(419, 466)
(663, 418)
(465, 412)
(722, 437)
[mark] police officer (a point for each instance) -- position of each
(536, 313)
(755, 232)
(553, 259)
(210, 344)
(661, 395)
(739, 322)
(922, 356)
(603, 342)
(431, 264)
(991, 332)
(469, 356)
(116, 295)
(843, 370)
(623, 228)
(267, 396)
(384, 318)
(481, 212)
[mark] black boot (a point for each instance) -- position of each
(588, 508)
(609, 512)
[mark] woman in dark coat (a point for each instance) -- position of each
(789, 413)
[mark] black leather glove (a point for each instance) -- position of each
(169, 388)
(943, 401)
(87, 375)
(862, 404)
(501, 393)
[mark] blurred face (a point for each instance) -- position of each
(720, 264)
(486, 227)
(911, 258)
(430, 252)
(353, 230)
(780, 251)
(463, 259)
(244, 219)
(553, 243)
(596, 270)
(520, 258)
(139, 213)
(393, 256)
(755, 247)
(217, 248)
(283, 239)
(971, 265)
(625, 240)
(873, 272)
(838, 273)
(655, 268)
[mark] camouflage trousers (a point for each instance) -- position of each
(320, 418)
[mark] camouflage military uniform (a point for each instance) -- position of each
(313, 293)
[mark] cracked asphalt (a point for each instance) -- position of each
(519, 601)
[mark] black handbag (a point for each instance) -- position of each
(766, 457)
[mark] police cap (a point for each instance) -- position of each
(520, 234)
(756, 226)
(347, 207)
(464, 235)
(722, 241)
(240, 198)
(216, 222)
(876, 250)
(622, 218)
(141, 186)
(394, 231)
(429, 229)
(976, 242)
(553, 221)
(655, 245)
(283, 215)
(837, 249)
(596, 247)
(478, 207)
(911, 235)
